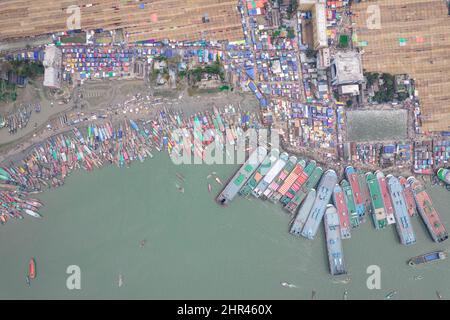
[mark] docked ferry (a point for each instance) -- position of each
(388, 207)
(299, 182)
(289, 181)
(351, 207)
(268, 162)
(352, 177)
(334, 243)
(271, 175)
(241, 177)
(428, 212)
(409, 197)
(342, 210)
(278, 181)
(324, 193)
(379, 214)
(299, 220)
(311, 183)
(404, 227)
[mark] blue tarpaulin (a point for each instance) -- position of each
(134, 125)
(252, 86)
(250, 72)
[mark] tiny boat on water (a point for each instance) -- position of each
(390, 295)
(342, 281)
(209, 187)
(180, 188)
(345, 296)
(179, 176)
(288, 285)
(32, 269)
(32, 213)
(218, 181)
(427, 258)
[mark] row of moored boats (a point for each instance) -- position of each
(309, 194)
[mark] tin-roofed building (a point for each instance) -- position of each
(53, 67)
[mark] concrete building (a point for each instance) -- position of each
(53, 66)
(275, 15)
(324, 58)
(139, 69)
(346, 68)
(3, 71)
(319, 19)
(349, 89)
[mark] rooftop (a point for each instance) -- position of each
(52, 63)
(347, 68)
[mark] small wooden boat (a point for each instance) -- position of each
(288, 285)
(32, 269)
(179, 188)
(390, 295)
(179, 176)
(32, 213)
(209, 187)
(120, 284)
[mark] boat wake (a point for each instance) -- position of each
(288, 285)
(342, 281)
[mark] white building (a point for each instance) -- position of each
(349, 89)
(53, 66)
(346, 68)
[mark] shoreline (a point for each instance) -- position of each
(132, 131)
(15, 155)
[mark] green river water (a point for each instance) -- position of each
(194, 248)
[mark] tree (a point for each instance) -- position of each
(311, 53)
(402, 96)
(27, 68)
(371, 77)
(292, 8)
(290, 33)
